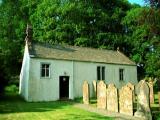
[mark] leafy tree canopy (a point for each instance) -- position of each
(106, 24)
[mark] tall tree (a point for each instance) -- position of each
(91, 23)
(11, 39)
(142, 26)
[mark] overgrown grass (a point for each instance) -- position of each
(12, 107)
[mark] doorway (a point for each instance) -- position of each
(64, 87)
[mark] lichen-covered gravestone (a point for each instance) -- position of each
(151, 92)
(112, 99)
(95, 87)
(126, 100)
(143, 107)
(132, 88)
(101, 95)
(85, 92)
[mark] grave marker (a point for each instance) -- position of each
(112, 98)
(151, 92)
(101, 95)
(85, 92)
(143, 106)
(126, 100)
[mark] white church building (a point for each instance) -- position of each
(51, 73)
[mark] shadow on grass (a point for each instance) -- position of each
(90, 117)
(13, 103)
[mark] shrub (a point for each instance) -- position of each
(12, 88)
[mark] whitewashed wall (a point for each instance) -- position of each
(47, 89)
(24, 75)
(88, 71)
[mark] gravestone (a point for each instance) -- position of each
(85, 92)
(112, 99)
(101, 95)
(126, 100)
(143, 107)
(151, 92)
(132, 88)
(95, 87)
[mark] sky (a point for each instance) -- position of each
(141, 2)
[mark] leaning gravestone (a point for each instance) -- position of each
(151, 92)
(126, 100)
(101, 95)
(95, 87)
(143, 108)
(112, 99)
(85, 92)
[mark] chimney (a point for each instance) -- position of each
(29, 33)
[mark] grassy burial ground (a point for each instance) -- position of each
(12, 107)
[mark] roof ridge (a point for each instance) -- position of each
(78, 53)
(72, 46)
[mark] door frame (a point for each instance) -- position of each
(65, 94)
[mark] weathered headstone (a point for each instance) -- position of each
(151, 92)
(101, 95)
(95, 87)
(143, 107)
(126, 100)
(112, 98)
(85, 92)
(132, 88)
(130, 85)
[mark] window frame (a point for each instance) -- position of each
(98, 73)
(121, 74)
(101, 73)
(45, 69)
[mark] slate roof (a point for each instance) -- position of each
(78, 54)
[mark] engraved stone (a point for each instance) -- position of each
(126, 100)
(143, 106)
(112, 99)
(133, 89)
(151, 92)
(101, 95)
(85, 92)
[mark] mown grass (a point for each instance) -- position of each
(12, 107)
(155, 109)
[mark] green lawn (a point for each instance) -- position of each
(14, 108)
